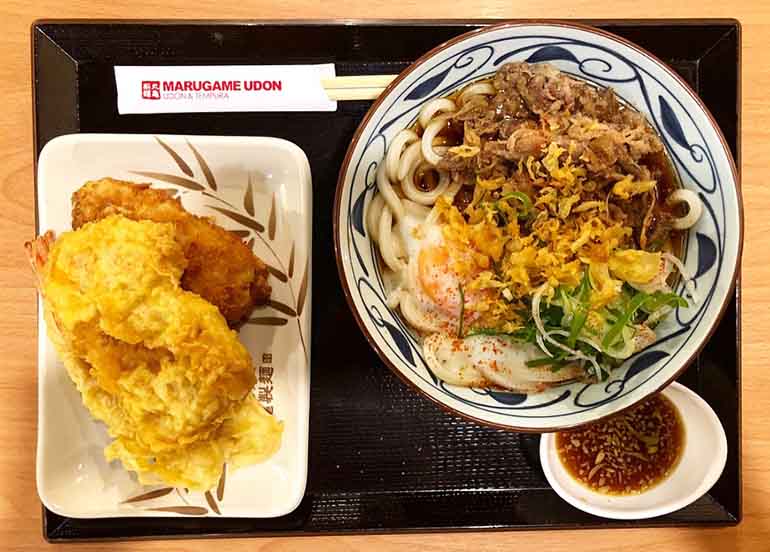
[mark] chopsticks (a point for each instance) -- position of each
(359, 87)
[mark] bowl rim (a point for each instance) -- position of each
(411, 68)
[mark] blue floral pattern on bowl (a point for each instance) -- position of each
(700, 156)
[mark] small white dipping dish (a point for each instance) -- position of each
(703, 459)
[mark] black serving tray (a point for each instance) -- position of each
(382, 458)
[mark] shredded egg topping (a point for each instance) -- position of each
(570, 231)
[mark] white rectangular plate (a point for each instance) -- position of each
(260, 187)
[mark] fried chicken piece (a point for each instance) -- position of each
(220, 268)
(157, 364)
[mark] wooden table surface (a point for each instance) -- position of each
(20, 524)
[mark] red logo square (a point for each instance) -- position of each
(151, 90)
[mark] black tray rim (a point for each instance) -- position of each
(736, 161)
(405, 22)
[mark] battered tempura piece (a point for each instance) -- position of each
(220, 268)
(156, 363)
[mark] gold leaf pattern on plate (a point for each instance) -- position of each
(241, 233)
(282, 307)
(271, 220)
(171, 179)
(157, 493)
(212, 503)
(250, 243)
(291, 260)
(248, 198)
(212, 196)
(268, 321)
(185, 510)
(302, 293)
(183, 166)
(221, 484)
(212, 182)
(180, 495)
(172, 192)
(277, 273)
(242, 219)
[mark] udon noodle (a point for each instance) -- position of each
(530, 225)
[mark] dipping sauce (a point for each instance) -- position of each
(628, 453)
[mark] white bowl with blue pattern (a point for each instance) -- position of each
(700, 156)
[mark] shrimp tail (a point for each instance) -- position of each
(37, 254)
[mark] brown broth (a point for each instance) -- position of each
(628, 453)
(668, 181)
(463, 198)
(426, 180)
